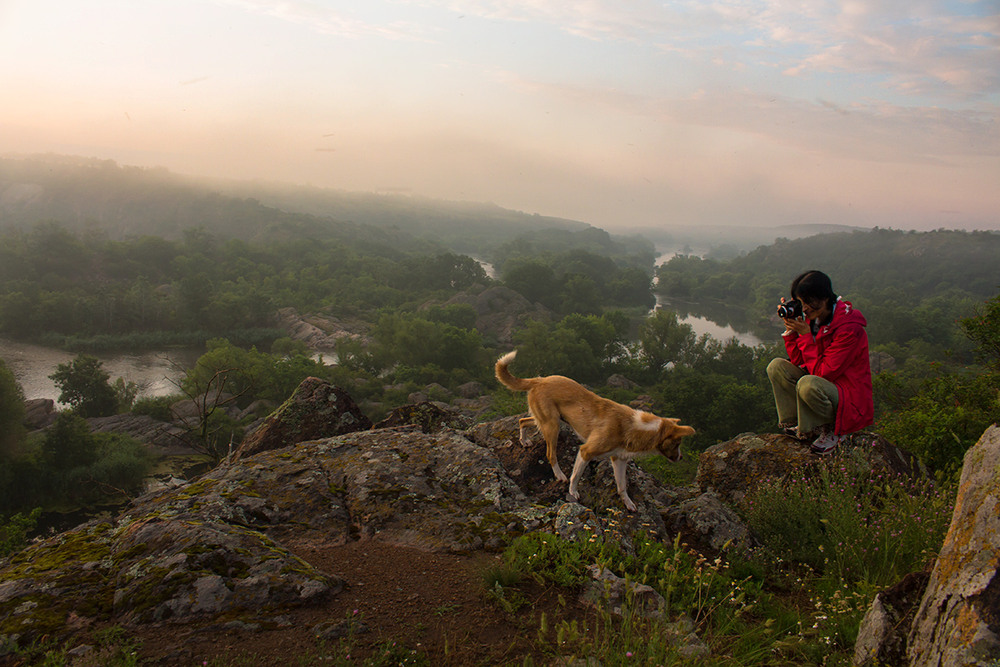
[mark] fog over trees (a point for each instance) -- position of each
(97, 256)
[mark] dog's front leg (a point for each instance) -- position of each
(522, 424)
(574, 478)
(619, 467)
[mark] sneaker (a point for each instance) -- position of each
(791, 431)
(826, 443)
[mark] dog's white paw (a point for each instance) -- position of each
(629, 505)
(573, 499)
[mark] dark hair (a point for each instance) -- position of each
(813, 286)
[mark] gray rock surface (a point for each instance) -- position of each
(958, 623)
(316, 409)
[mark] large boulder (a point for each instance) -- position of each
(317, 409)
(709, 525)
(428, 416)
(734, 467)
(958, 623)
(152, 566)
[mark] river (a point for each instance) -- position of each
(154, 372)
(700, 325)
(710, 318)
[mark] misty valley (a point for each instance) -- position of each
(169, 320)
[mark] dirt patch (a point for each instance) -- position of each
(398, 599)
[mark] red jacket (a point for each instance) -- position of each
(839, 353)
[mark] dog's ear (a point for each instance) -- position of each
(675, 429)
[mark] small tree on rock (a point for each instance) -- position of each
(85, 386)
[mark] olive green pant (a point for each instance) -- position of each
(803, 399)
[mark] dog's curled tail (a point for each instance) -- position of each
(504, 376)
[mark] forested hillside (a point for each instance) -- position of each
(912, 286)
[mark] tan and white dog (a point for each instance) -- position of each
(607, 429)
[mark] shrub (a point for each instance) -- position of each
(157, 407)
(945, 418)
(734, 613)
(551, 558)
(14, 531)
(853, 524)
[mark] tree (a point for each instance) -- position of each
(84, 385)
(553, 350)
(580, 294)
(984, 330)
(68, 443)
(410, 340)
(533, 279)
(11, 413)
(665, 340)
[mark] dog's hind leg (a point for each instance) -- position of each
(550, 431)
(619, 467)
(578, 467)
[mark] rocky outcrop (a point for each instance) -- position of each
(317, 332)
(213, 549)
(161, 438)
(220, 549)
(500, 311)
(958, 623)
(163, 560)
(427, 416)
(732, 468)
(39, 413)
(317, 409)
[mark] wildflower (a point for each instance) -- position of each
(628, 654)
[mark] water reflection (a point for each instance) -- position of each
(715, 319)
(155, 372)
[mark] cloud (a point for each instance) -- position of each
(871, 130)
(910, 47)
(916, 49)
(322, 19)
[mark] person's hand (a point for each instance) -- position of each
(800, 326)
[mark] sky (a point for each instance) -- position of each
(618, 113)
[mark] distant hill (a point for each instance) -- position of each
(123, 201)
(465, 227)
(728, 241)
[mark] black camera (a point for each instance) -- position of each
(790, 310)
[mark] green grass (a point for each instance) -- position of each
(851, 524)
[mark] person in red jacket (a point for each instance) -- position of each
(823, 391)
